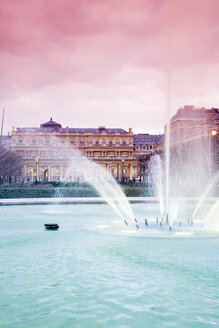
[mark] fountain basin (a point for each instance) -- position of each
(98, 272)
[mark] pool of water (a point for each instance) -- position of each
(94, 272)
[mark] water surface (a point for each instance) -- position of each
(86, 276)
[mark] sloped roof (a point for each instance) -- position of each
(48, 128)
(145, 139)
(215, 117)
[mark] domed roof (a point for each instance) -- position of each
(51, 124)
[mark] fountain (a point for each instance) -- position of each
(99, 271)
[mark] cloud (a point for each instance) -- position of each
(106, 57)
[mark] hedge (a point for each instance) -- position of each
(65, 192)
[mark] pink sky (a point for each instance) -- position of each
(105, 62)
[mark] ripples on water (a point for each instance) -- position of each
(76, 277)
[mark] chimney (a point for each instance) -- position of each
(130, 130)
(102, 128)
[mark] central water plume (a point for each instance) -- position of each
(206, 193)
(212, 218)
(156, 178)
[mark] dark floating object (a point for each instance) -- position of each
(136, 220)
(170, 228)
(157, 219)
(126, 222)
(146, 222)
(51, 226)
(137, 226)
(160, 224)
(180, 224)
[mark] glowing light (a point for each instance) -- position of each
(213, 132)
(184, 233)
(102, 226)
(129, 231)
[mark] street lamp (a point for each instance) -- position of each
(212, 133)
(36, 168)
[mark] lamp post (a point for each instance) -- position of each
(36, 160)
(212, 133)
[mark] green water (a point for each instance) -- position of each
(82, 277)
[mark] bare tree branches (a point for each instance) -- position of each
(11, 166)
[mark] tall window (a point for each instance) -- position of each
(110, 142)
(97, 142)
(124, 142)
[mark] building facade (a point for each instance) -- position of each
(194, 144)
(48, 149)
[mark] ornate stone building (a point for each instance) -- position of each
(194, 140)
(147, 143)
(47, 150)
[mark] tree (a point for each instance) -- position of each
(144, 160)
(11, 166)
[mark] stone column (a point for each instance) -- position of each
(131, 171)
(49, 172)
(119, 171)
(37, 171)
(25, 173)
(60, 173)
